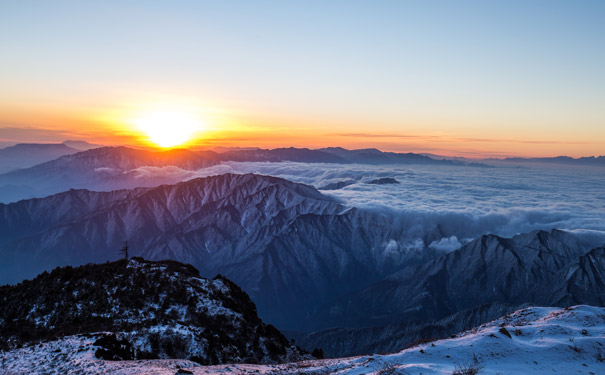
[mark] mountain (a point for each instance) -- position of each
(585, 279)
(302, 155)
(347, 342)
(112, 168)
(25, 155)
(291, 248)
(81, 145)
(587, 161)
(154, 309)
(328, 155)
(535, 340)
(336, 185)
(375, 156)
(105, 168)
(539, 268)
(532, 340)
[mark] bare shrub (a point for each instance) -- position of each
(389, 369)
(472, 368)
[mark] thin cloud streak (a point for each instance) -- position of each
(433, 138)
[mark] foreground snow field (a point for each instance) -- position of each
(537, 340)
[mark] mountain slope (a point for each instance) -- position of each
(291, 248)
(584, 280)
(527, 268)
(346, 342)
(162, 310)
(536, 340)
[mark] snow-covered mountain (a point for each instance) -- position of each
(536, 340)
(539, 268)
(290, 247)
(161, 309)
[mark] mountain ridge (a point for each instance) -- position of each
(113, 168)
(269, 235)
(526, 268)
(160, 309)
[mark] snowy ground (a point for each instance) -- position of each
(542, 341)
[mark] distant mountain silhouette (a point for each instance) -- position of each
(104, 169)
(598, 161)
(25, 155)
(111, 168)
(81, 145)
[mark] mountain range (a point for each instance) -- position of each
(308, 262)
(566, 160)
(25, 155)
(482, 280)
(290, 247)
(111, 168)
(332, 276)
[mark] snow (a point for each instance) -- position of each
(543, 340)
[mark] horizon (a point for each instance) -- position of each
(238, 148)
(469, 79)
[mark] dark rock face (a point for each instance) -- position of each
(384, 181)
(337, 185)
(160, 310)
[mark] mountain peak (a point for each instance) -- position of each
(162, 309)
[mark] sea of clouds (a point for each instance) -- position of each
(446, 206)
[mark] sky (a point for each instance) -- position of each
(466, 78)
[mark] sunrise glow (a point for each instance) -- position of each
(168, 128)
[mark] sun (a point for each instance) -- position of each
(168, 128)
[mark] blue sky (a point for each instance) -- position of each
(514, 70)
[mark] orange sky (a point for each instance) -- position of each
(474, 79)
(221, 129)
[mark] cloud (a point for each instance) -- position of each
(107, 170)
(443, 207)
(445, 138)
(446, 244)
(437, 202)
